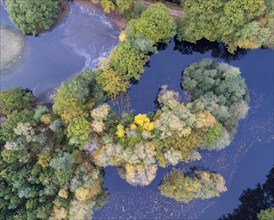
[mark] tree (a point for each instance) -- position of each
(15, 99)
(8, 126)
(224, 21)
(197, 184)
(113, 82)
(78, 130)
(266, 214)
(31, 16)
(108, 5)
(128, 61)
(155, 23)
(253, 201)
(67, 105)
(221, 89)
(124, 5)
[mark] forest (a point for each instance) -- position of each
(52, 156)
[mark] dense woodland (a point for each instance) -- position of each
(52, 157)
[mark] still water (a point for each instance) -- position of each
(54, 56)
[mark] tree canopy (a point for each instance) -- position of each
(243, 24)
(31, 16)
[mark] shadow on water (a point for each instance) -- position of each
(252, 201)
(218, 50)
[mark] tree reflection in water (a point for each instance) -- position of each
(218, 50)
(254, 200)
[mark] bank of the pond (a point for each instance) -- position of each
(119, 22)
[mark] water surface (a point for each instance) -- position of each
(80, 40)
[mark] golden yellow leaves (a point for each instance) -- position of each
(142, 122)
(120, 131)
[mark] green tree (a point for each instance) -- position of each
(155, 23)
(128, 61)
(108, 5)
(221, 89)
(31, 16)
(8, 126)
(15, 99)
(197, 184)
(124, 5)
(67, 105)
(113, 82)
(267, 214)
(224, 21)
(78, 130)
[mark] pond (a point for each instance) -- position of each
(54, 56)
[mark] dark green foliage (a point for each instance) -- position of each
(31, 16)
(222, 90)
(15, 99)
(7, 127)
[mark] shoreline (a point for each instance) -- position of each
(118, 21)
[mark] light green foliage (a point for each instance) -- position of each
(81, 209)
(155, 24)
(31, 16)
(267, 214)
(124, 5)
(67, 105)
(186, 187)
(231, 22)
(78, 130)
(77, 95)
(107, 5)
(128, 61)
(112, 82)
(15, 99)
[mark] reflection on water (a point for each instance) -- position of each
(254, 200)
(218, 50)
(52, 57)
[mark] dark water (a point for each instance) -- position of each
(80, 40)
(53, 57)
